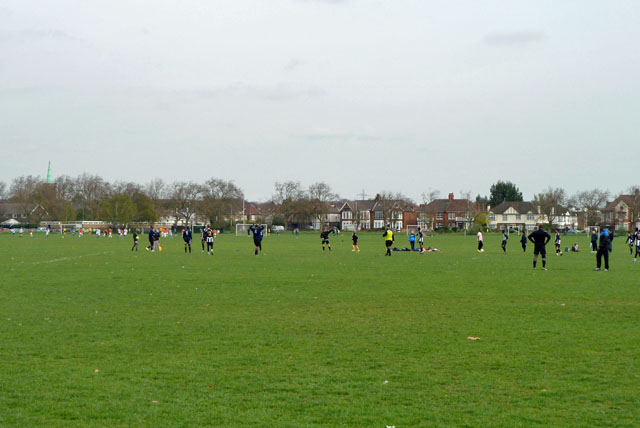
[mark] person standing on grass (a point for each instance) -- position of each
(354, 238)
(136, 238)
(558, 242)
(594, 241)
(480, 242)
(540, 239)
(505, 236)
(151, 235)
(203, 236)
(412, 241)
(156, 240)
(325, 238)
(257, 231)
(631, 241)
(187, 236)
(388, 240)
(603, 250)
(637, 241)
(420, 239)
(523, 240)
(209, 238)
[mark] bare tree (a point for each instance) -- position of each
(127, 187)
(23, 188)
(156, 189)
(391, 203)
(591, 202)
(430, 196)
(550, 202)
(287, 197)
(65, 188)
(220, 200)
(184, 197)
(90, 191)
(3, 190)
(318, 196)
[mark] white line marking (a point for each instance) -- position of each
(71, 258)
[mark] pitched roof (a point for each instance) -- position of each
(630, 200)
(361, 204)
(520, 207)
(448, 205)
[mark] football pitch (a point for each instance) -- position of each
(94, 335)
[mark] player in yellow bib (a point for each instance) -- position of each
(388, 240)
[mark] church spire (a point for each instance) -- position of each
(49, 176)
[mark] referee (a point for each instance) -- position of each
(540, 239)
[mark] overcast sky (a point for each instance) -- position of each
(364, 95)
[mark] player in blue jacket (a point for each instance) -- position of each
(257, 236)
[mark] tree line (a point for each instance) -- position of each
(90, 197)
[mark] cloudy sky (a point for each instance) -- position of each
(366, 95)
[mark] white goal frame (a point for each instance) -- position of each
(243, 228)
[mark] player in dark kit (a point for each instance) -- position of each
(558, 242)
(603, 250)
(187, 236)
(136, 238)
(203, 237)
(257, 236)
(325, 238)
(523, 241)
(505, 236)
(420, 239)
(354, 238)
(540, 238)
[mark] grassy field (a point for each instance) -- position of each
(94, 335)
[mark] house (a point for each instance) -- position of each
(515, 215)
(360, 213)
(448, 212)
(330, 216)
(623, 212)
(375, 214)
(23, 213)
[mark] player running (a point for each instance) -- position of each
(388, 240)
(540, 238)
(558, 242)
(523, 241)
(354, 238)
(187, 236)
(325, 238)
(257, 237)
(505, 236)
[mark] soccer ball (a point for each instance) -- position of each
(159, 248)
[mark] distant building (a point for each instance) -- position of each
(448, 212)
(623, 212)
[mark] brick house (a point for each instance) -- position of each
(448, 212)
(623, 212)
(374, 214)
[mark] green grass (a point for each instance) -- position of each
(301, 338)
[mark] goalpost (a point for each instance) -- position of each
(242, 229)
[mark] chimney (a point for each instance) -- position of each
(451, 196)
